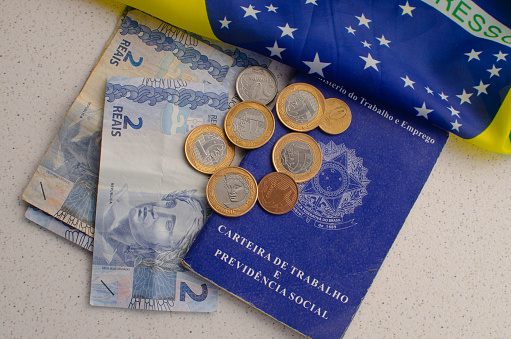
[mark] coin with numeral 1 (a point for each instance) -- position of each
(337, 117)
(278, 193)
(207, 149)
(300, 107)
(256, 83)
(231, 191)
(298, 155)
(249, 124)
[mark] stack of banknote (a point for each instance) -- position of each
(115, 180)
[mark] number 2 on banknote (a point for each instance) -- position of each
(132, 60)
(127, 121)
(185, 289)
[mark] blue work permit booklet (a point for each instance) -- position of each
(311, 267)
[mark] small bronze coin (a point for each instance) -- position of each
(278, 193)
(337, 117)
(249, 124)
(207, 149)
(256, 83)
(300, 107)
(298, 155)
(231, 191)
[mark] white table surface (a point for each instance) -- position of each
(447, 274)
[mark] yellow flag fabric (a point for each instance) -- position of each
(190, 15)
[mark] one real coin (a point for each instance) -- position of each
(298, 155)
(207, 149)
(300, 107)
(231, 191)
(249, 124)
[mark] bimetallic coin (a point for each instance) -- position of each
(207, 149)
(249, 124)
(256, 83)
(298, 155)
(337, 117)
(231, 191)
(300, 107)
(278, 193)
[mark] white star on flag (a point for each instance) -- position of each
(407, 9)
(473, 55)
(366, 44)
(443, 96)
(427, 89)
(362, 20)
(316, 66)
(311, 2)
(250, 11)
(370, 62)
(456, 125)
(276, 50)
(383, 41)
(481, 88)
(350, 30)
(454, 112)
(286, 30)
(271, 8)
(225, 23)
(465, 97)
(500, 56)
(494, 71)
(408, 82)
(423, 111)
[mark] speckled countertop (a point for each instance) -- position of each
(447, 274)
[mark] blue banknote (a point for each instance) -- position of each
(58, 227)
(151, 202)
(65, 183)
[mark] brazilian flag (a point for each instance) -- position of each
(446, 61)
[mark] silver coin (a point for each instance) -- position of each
(232, 191)
(301, 107)
(249, 124)
(258, 84)
(209, 149)
(297, 157)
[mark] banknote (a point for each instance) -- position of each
(65, 183)
(58, 227)
(151, 202)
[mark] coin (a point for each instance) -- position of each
(207, 149)
(298, 155)
(256, 83)
(231, 191)
(300, 107)
(278, 193)
(337, 117)
(249, 124)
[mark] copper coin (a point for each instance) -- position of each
(337, 117)
(278, 193)
(300, 107)
(207, 149)
(231, 191)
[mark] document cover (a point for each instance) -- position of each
(311, 267)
